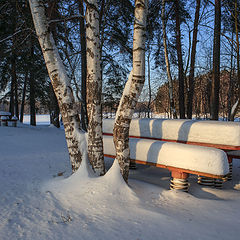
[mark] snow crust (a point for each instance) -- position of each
(215, 132)
(195, 158)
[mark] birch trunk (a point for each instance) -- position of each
(94, 88)
(131, 91)
(170, 81)
(61, 84)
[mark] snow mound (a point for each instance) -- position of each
(84, 184)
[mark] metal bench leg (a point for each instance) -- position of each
(4, 123)
(14, 123)
(218, 183)
(179, 181)
(206, 181)
(229, 176)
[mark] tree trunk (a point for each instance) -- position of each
(11, 105)
(52, 13)
(61, 85)
(23, 96)
(94, 89)
(131, 91)
(53, 107)
(13, 109)
(230, 90)
(180, 62)
(84, 117)
(192, 64)
(32, 89)
(16, 109)
(216, 62)
(237, 104)
(149, 86)
(170, 81)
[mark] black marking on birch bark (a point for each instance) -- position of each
(89, 51)
(91, 6)
(140, 4)
(92, 27)
(54, 70)
(138, 49)
(140, 27)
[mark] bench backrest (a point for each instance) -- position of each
(223, 135)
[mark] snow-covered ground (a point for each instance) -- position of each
(39, 201)
(41, 119)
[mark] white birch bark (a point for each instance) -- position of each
(61, 84)
(132, 90)
(94, 88)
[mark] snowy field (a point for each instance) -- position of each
(39, 201)
(43, 119)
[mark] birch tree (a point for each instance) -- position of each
(61, 84)
(94, 88)
(131, 91)
(75, 136)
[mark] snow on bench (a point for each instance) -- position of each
(180, 159)
(5, 118)
(222, 135)
(217, 134)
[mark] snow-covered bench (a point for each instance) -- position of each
(217, 134)
(181, 159)
(5, 120)
(4, 116)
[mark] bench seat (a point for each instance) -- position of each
(205, 161)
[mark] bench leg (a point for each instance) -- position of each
(206, 181)
(229, 176)
(14, 124)
(210, 182)
(4, 123)
(218, 183)
(179, 181)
